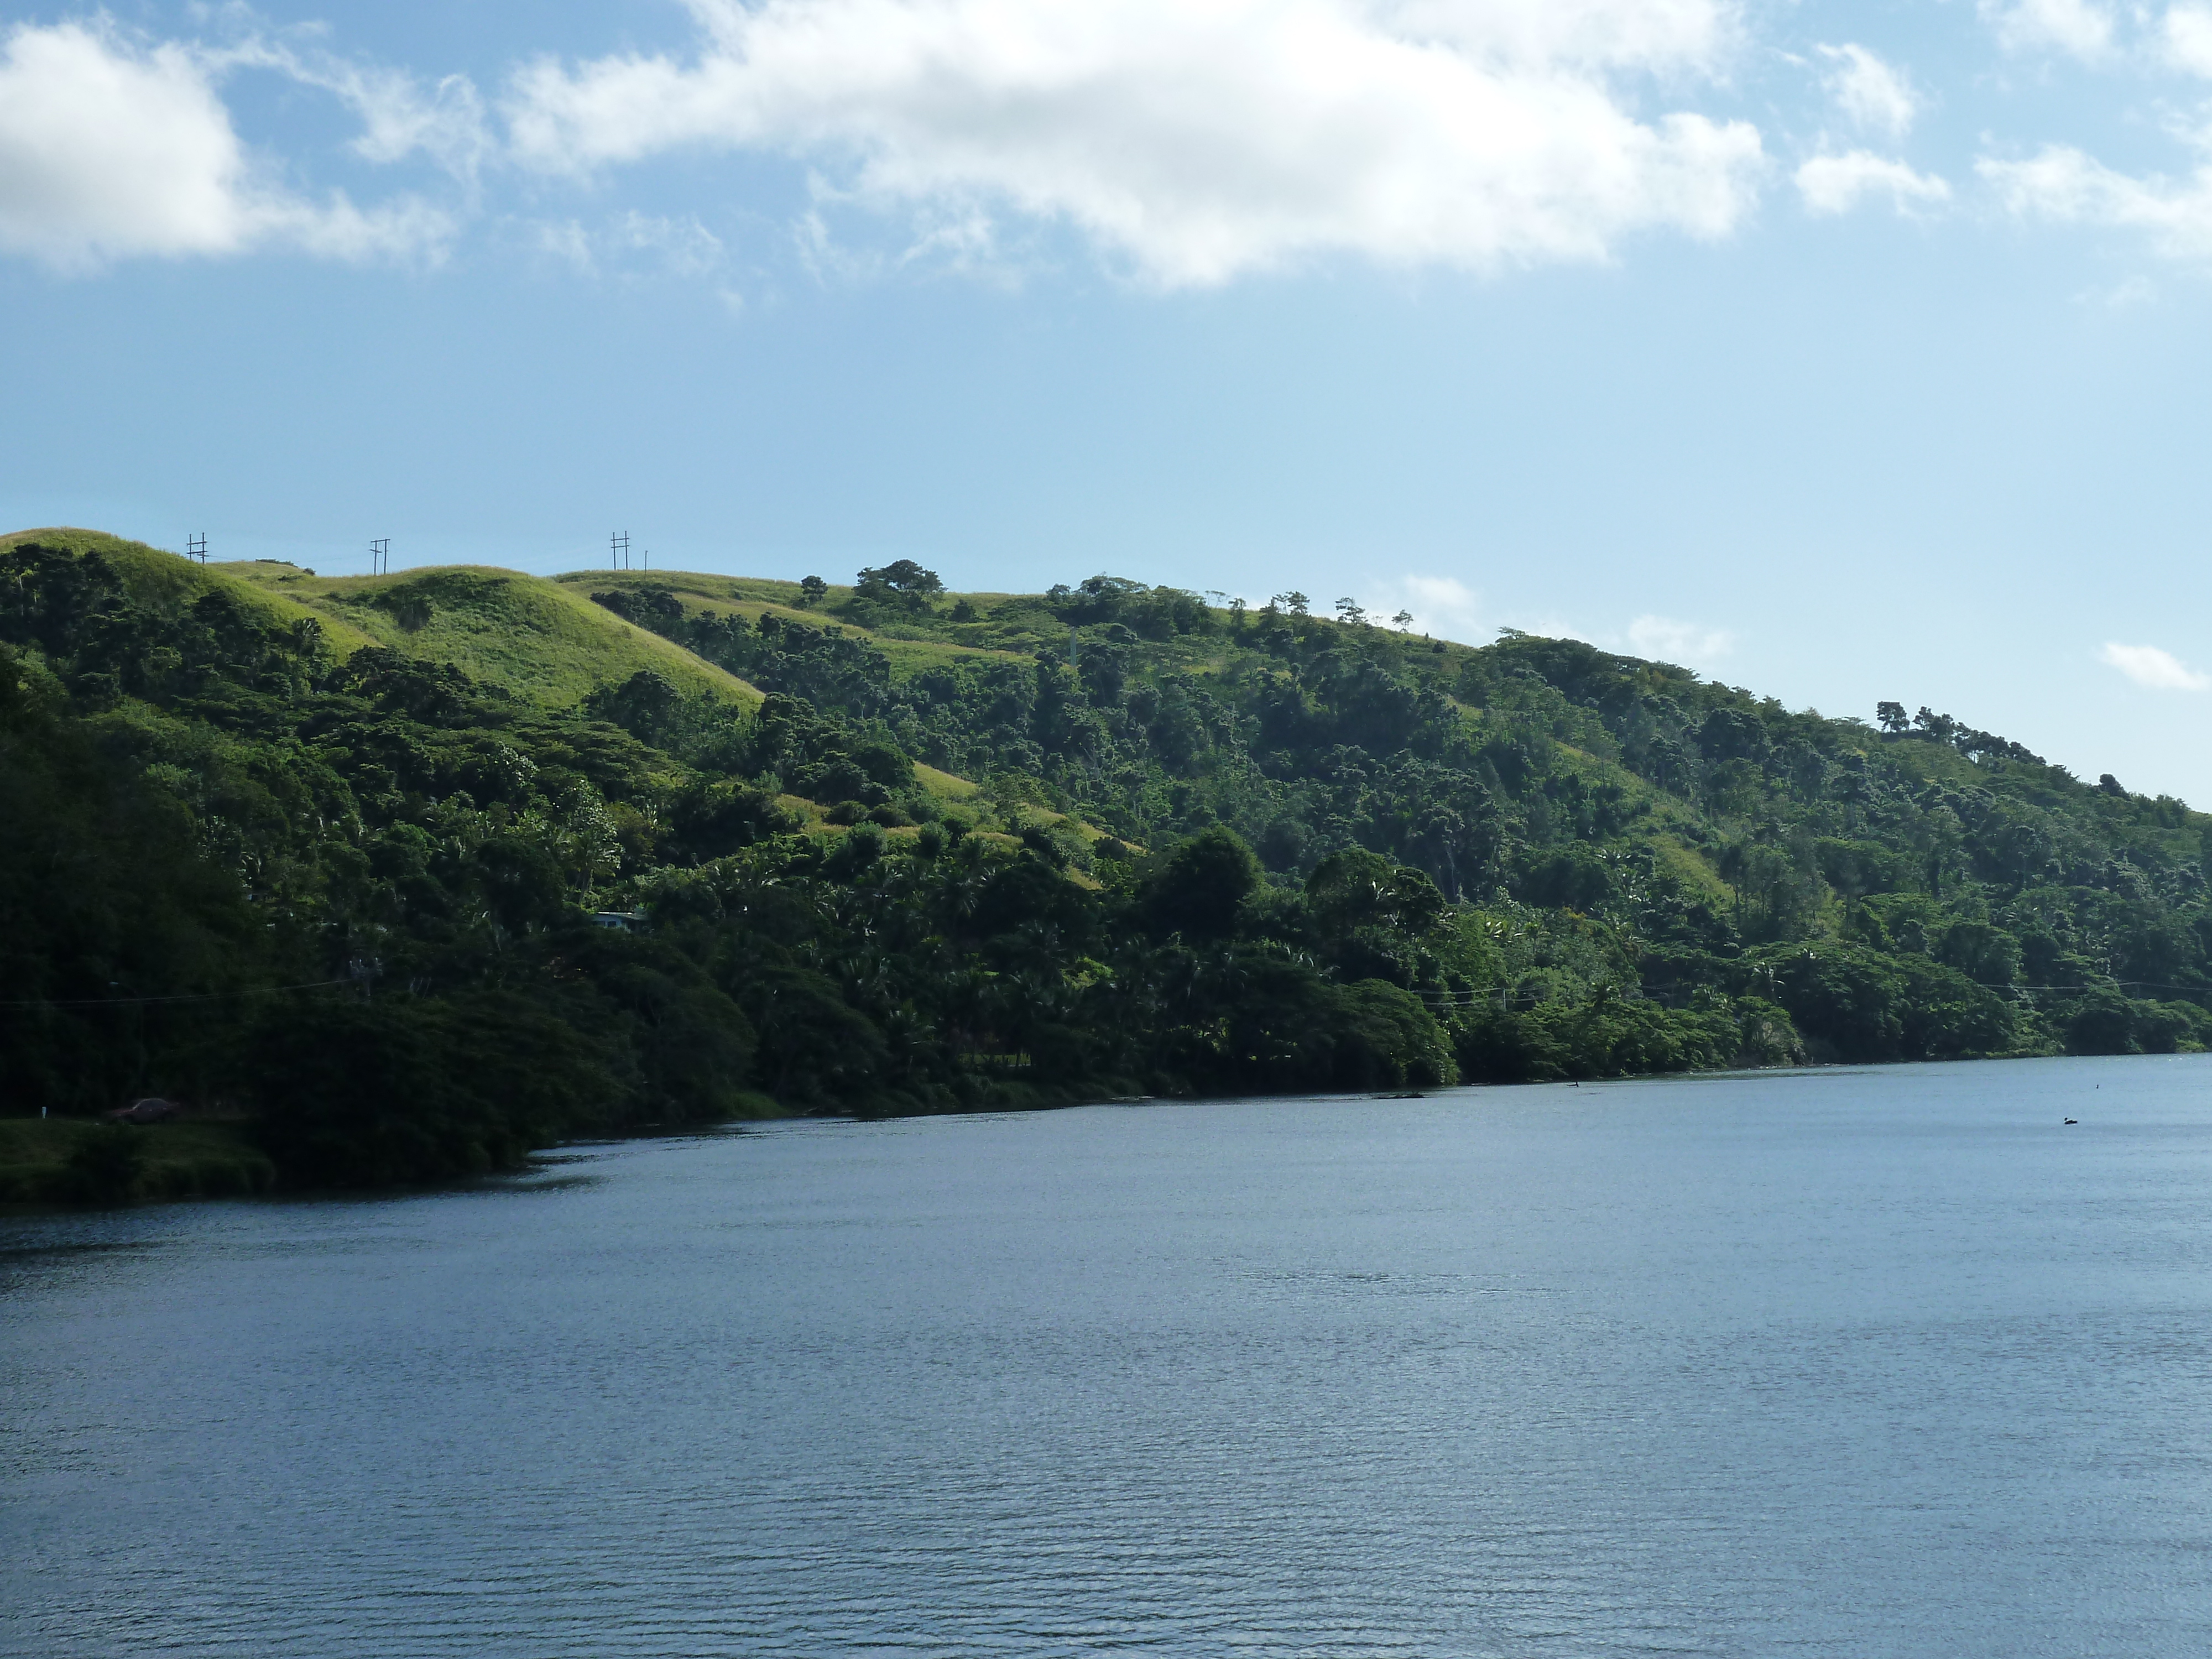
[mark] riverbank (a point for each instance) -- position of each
(61, 1161)
(54, 1161)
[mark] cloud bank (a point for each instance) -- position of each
(1198, 140)
(1184, 143)
(2061, 185)
(110, 149)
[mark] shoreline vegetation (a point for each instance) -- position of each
(395, 879)
(49, 1162)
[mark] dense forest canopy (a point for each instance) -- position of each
(420, 876)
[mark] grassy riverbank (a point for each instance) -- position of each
(49, 1161)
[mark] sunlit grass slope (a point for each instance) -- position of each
(543, 641)
(911, 648)
(540, 640)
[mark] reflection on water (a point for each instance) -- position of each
(1849, 1363)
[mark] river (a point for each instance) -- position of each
(1886, 1361)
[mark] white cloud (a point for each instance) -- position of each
(1636, 34)
(567, 241)
(398, 117)
(2079, 28)
(1872, 94)
(682, 247)
(2147, 665)
(1446, 607)
(1837, 183)
(1198, 139)
(2063, 185)
(2186, 38)
(1685, 644)
(631, 244)
(2124, 295)
(1441, 605)
(110, 148)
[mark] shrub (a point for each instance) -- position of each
(106, 1167)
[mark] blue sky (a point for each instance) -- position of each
(1843, 352)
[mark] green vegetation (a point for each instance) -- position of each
(539, 640)
(67, 1161)
(415, 874)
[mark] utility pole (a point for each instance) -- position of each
(618, 550)
(380, 557)
(196, 548)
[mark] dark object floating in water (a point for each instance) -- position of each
(2073, 1119)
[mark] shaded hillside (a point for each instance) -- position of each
(161, 583)
(329, 853)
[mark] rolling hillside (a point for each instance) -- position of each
(1246, 719)
(410, 874)
(537, 638)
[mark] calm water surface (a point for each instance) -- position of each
(1845, 1362)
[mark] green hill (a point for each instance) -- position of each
(166, 583)
(1694, 829)
(537, 638)
(448, 864)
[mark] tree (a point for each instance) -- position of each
(1891, 715)
(901, 582)
(1295, 603)
(1197, 887)
(813, 591)
(645, 704)
(1352, 613)
(1357, 889)
(1382, 1036)
(1402, 621)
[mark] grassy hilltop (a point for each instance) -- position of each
(323, 856)
(540, 640)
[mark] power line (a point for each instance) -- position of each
(196, 548)
(618, 550)
(380, 557)
(192, 996)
